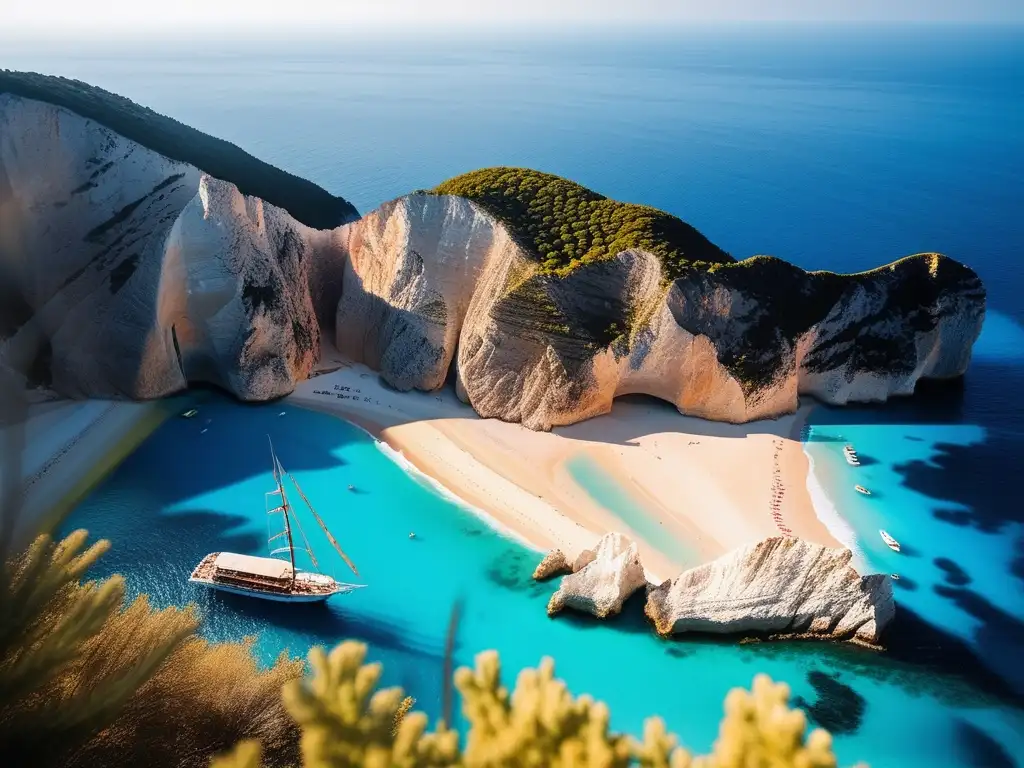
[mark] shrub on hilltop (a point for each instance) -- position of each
(565, 224)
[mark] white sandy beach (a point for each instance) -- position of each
(711, 486)
(69, 447)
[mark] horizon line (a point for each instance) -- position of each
(236, 30)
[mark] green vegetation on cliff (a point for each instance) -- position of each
(566, 225)
(786, 301)
(307, 202)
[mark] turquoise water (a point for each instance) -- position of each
(603, 489)
(837, 148)
(184, 493)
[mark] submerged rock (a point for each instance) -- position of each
(777, 586)
(602, 585)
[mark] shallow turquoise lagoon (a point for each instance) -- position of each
(184, 493)
(604, 490)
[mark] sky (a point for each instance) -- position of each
(56, 15)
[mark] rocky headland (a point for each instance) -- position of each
(151, 256)
(777, 588)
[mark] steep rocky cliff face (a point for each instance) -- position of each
(147, 272)
(777, 586)
(433, 279)
(143, 273)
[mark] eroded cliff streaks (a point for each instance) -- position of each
(779, 586)
(433, 279)
(143, 273)
(147, 274)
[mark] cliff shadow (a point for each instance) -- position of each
(224, 444)
(635, 416)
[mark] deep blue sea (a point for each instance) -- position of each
(836, 148)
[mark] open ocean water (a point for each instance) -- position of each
(836, 148)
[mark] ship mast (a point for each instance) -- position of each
(284, 507)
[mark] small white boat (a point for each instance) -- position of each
(851, 456)
(889, 540)
(271, 578)
(190, 413)
(894, 576)
(862, 489)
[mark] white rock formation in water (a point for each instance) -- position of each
(603, 584)
(147, 274)
(779, 586)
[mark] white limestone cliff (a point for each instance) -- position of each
(602, 585)
(779, 586)
(433, 281)
(146, 274)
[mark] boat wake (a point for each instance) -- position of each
(826, 511)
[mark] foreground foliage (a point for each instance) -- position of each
(567, 225)
(84, 682)
(347, 723)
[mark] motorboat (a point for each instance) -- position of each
(189, 413)
(851, 456)
(889, 540)
(862, 489)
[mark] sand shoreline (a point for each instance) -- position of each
(687, 490)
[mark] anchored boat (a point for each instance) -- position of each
(272, 578)
(862, 489)
(889, 540)
(851, 456)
